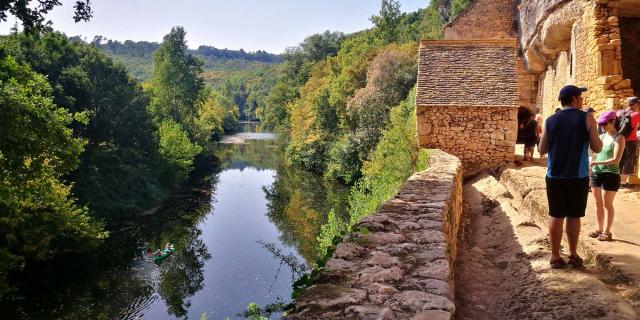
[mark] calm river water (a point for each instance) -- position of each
(225, 226)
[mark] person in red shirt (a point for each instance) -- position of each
(629, 161)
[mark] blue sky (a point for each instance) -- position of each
(270, 25)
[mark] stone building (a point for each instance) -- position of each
(467, 100)
(591, 43)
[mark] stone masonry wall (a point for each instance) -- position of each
(556, 76)
(527, 87)
(484, 19)
(483, 137)
(467, 100)
(403, 267)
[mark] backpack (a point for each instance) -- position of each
(623, 123)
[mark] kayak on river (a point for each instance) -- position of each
(160, 255)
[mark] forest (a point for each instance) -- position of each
(78, 162)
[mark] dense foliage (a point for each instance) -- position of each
(244, 78)
(84, 147)
(118, 173)
(347, 86)
(89, 131)
(218, 64)
(352, 117)
(38, 216)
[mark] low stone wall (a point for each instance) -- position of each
(403, 267)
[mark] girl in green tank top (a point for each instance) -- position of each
(607, 153)
(605, 174)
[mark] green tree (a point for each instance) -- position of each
(388, 20)
(33, 16)
(275, 113)
(118, 175)
(458, 5)
(321, 45)
(176, 85)
(176, 147)
(217, 115)
(38, 216)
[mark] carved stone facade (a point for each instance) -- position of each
(582, 43)
(589, 43)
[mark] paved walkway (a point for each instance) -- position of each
(526, 180)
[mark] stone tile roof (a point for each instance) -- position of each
(467, 73)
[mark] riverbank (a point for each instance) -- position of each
(224, 225)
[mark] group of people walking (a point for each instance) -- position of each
(567, 137)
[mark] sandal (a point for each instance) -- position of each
(595, 234)
(575, 261)
(605, 236)
(557, 263)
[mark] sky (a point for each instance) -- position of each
(270, 25)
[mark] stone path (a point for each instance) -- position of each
(621, 257)
(503, 272)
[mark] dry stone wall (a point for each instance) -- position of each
(484, 19)
(467, 100)
(483, 137)
(403, 267)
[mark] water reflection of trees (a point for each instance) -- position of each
(298, 204)
(119, 281)
(258, 154)
(181, 276)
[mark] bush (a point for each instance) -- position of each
(177, 149)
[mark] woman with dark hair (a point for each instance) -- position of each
(530, 134)
(605, 174)
(525, 133)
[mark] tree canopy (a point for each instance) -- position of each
(38, 216)
(33, 17)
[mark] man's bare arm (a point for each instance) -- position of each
(594, 139)
(543, 146)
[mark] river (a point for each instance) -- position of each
(231, 226)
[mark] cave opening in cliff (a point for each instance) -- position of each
(630, 35)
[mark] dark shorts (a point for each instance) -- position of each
(605, 180)
(567, 197)
(629, 159)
